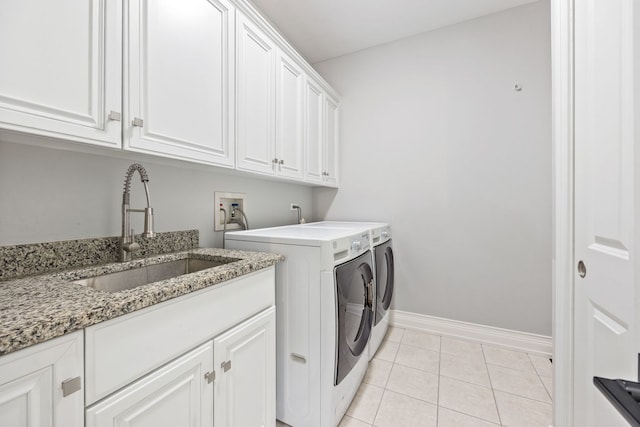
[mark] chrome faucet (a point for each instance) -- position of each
(299, 209)
(128, 244)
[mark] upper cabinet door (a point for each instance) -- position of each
(289, 118)
(314, 100)
(256, 98)
(61, 77)
(331, 130)
(179, 79)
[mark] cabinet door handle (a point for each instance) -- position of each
(114, 115)
(226, 365)
(71, 385)
(299, 357)
(137, 122)
(210, 376)
(281, 162)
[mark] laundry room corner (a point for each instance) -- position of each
(461, 169)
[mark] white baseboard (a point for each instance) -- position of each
(515, 340)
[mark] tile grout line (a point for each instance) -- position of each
(384, 389)
(471, 416)
(493, 392)
(540, 377)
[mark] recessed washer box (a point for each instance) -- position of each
(224, 201)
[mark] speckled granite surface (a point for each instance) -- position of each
(38, 258)
(37, 308)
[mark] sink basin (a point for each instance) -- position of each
(128, 279)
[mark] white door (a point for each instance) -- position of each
(180, 79)
(178, 394)
(31, 385)
(289, 119)
(255, 119)
(331, 126)
(60, 69)
(605, 322)
(245, 389)
(314, 105)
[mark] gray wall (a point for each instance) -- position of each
(49, 195)
(436, 141)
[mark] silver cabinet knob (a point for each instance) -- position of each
(281, 162)
(582, 269)
(137, 122)
(114, 115)
(275, 161)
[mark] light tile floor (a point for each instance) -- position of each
(418, 379)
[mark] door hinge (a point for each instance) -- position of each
(210, 377)
(226, 365)
(71, 385)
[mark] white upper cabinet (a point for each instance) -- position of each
(179, 85)
(289, 118)
(270, 113)
(61, 76)
(314, 105)
(255, 118)
(321, 135)
(206, 81)
(330, 141)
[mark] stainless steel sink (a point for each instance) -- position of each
(128, 279)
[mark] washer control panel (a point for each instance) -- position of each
(360, 242)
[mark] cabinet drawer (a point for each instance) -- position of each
(123, 349)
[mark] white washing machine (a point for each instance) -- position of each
(380, 236)
(324, 303)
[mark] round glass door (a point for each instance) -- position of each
(354, 293)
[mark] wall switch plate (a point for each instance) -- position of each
(224, 201)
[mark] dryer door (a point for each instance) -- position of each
(384, 279)
(354, 299)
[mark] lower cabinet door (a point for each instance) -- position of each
(41, 386)
(245, 389)
(178, 394)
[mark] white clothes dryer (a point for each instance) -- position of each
(324, 312)
(383, 261)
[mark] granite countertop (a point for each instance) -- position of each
(38, 308)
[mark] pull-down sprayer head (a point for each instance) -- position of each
(148, 211)
(127, 240)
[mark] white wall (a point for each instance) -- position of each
(49, 195)
(436, 141)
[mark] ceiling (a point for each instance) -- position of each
(323, 29)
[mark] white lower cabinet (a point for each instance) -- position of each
(244, 392)
(228, 382)
(178, 394)
(203, 359)
(42, 386)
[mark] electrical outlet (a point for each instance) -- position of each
(224, 201)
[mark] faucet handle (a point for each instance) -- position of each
(132, 246)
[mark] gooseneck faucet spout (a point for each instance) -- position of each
(127, 241)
